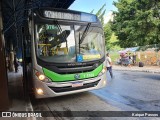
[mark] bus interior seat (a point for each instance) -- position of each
(63, 50)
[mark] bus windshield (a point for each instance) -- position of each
(65, 43)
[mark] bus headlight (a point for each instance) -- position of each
(103, 71)
(47, 80)
(104, 82)
(42, 77)
(39, 91)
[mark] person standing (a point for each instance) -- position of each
(130, 60)
(109, 64)
(15, 64)
(134, 58)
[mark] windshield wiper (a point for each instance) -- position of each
(64, 36)
(84, 33)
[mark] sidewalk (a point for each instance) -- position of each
(16, 94)
(151, 69)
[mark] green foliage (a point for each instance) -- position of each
(92, 11)
(100, 14)
(137, 22)
(110, 38)
(114, 56)
(107, 34)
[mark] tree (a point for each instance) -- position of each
(100, 14)
(107, 34)
(137, 22)
(110, 38)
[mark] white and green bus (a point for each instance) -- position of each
(67, 52)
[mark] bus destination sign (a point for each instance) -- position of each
(70, 16)
(61, 15)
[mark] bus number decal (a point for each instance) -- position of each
(88, 75)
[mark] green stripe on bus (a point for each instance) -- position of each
(55, 77)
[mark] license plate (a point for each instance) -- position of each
(77, 84)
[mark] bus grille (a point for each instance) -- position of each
(73, 69)
(70, 88)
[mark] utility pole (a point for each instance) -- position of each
(4, 99)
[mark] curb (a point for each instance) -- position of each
(135, 70)
(29, 107)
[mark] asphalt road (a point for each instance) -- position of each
(128, 91)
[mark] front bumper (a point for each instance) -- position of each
(54, 89)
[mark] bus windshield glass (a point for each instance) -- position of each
(65, 43)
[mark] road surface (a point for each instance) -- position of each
(128, 91)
